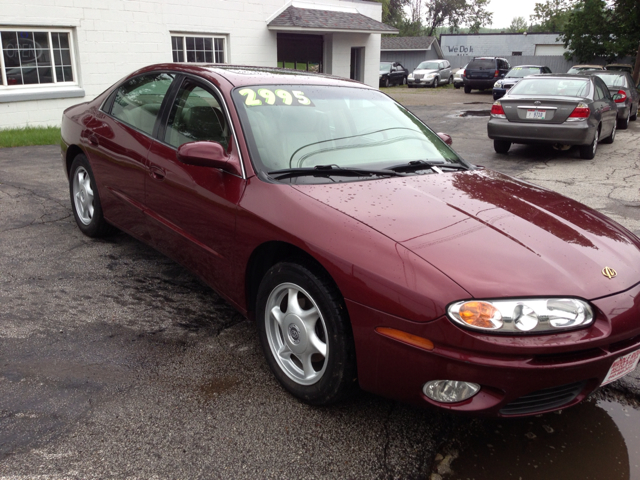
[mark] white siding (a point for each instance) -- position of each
(112, 38)
(550, 50)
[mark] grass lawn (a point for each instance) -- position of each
(25, 137)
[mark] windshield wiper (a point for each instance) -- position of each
(435, 165)
(331, 170)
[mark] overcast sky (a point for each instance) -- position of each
(505, 10)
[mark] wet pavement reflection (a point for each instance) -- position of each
(596, 440)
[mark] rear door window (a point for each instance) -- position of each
(137, 102)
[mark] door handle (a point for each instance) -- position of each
(157, 173)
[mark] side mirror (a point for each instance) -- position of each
(445, 138)
(203, 154)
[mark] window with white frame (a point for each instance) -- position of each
(39, 56)
(204, 49)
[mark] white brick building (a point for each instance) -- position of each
(56, 53)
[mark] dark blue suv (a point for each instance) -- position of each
(483, 72)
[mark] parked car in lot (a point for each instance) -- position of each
(457, 77)
(584, 68)
(392, 73)
(367, 251)
(620, 83)
(483, 72)
(431, 73)
(622, 67)
(514, 76)
(555, 109)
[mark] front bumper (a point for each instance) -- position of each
(568, 133)
(423, 82)
(507, 368)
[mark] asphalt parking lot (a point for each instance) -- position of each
(115, 362)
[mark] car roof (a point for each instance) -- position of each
(558, 75)
(240, 75)
(528, 66)
(606, 72)
(620, 65)
(588, 66)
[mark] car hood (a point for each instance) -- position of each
(494, 235)
(424, 72)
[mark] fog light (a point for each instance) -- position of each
(450, 391)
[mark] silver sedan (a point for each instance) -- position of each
(555, 109)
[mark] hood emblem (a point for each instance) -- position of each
(537, 102)
(609, 272)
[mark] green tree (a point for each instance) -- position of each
(551, 15)
(518, 25)
(588, 32)
(455, 13)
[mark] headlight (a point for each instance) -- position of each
(429, 77)
(526, 315)
(410, 76)
(380, 76)
(497, 84)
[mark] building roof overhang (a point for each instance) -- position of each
(308, 20)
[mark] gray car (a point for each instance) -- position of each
(555, 109)
(431, 73)
(621, 83)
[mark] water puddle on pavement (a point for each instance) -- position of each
(596, 440)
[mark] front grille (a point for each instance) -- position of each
(418, 76)
(542, 400)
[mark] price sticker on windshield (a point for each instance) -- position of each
(279, 96)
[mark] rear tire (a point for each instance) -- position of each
(501, 146)
(467, 89)
(634, 117)
(588, 152)
(85, 201)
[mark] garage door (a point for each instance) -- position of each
(550, 49)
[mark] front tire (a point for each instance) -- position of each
(500, 146)
(588, 152)
(305, 333)
(85, 201)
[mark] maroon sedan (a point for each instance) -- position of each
(368, 252)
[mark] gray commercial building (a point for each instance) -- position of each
(409, 51)
(518, 48)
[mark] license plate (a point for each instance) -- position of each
(536, 114)
(622, 366)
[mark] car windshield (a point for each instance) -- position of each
(305, 126)
(614, 80)
(519, 72)
(482, 64)
(428, 66)
(385, 67)
(581, 69)
(566, 87)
